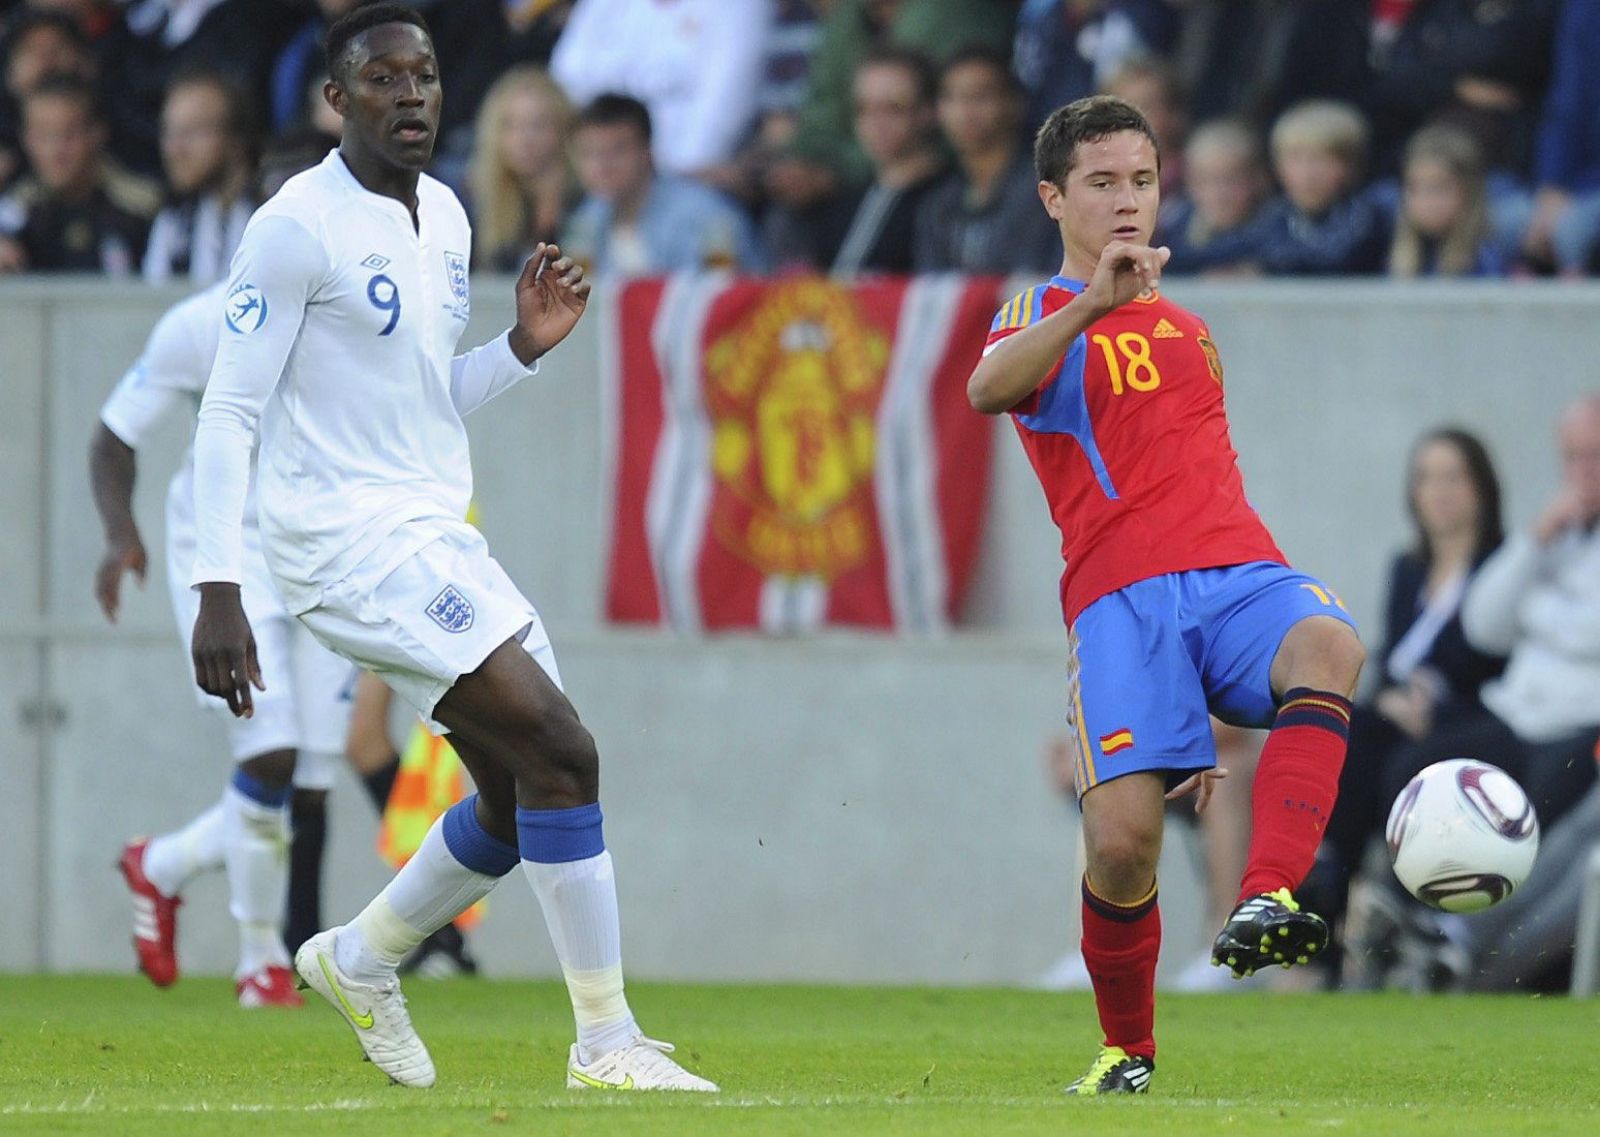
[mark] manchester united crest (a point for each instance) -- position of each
(793, 391)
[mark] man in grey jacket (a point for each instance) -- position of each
(1537, 600)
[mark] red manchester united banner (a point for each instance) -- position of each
(795, 452)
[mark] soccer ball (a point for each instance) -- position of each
(1462, 835)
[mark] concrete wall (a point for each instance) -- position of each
(845, 807)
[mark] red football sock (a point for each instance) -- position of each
(1120, 945)
(1297, 781)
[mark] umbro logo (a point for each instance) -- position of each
(375, 262)
(1165, 330)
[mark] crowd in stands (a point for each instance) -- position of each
(1408, 138)
(1413, 138)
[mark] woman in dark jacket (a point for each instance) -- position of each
(1428, 671)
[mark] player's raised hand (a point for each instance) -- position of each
(551, 295)
(1125, 270)
(125, 556)
(224, 648)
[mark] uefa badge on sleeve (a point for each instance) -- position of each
(245, 310)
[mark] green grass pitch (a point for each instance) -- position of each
(112, 1055)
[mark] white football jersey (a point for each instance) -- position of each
(340, 322)
(170, 375)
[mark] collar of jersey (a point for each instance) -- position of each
(342, 171)
(1072, 286)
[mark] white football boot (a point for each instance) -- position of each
(640, 1065)
(376, 1013)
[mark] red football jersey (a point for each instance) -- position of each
(1130, 440)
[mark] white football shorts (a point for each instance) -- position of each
(306, 706)
(436, 615)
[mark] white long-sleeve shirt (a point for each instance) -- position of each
(339, 326)
(1540, 605)
(695, 63)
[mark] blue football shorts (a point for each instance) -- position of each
(1150, 663)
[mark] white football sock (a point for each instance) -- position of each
(257, 857)
(429, 891)
(173, 859)
(579, 899)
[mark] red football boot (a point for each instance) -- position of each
(155, 918)
(269, 987)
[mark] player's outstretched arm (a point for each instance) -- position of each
(1015, 367)
(112, 468)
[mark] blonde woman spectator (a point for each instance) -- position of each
(522, 186)
(1443, 227)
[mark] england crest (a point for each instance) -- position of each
(451, 610)
(455, 267)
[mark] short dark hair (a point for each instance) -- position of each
(612, 109)
(921, 68)
(981, 55)
(71, 88)
(1055, 147)
(350, 25)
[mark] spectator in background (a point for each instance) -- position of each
(1213, 229)
(37, 44)
(695, 64)
(1482, 65)
(76, 211)
(536, 25)
(1429, 674)
(1537, 601)
(1066, 49)
(208, 153)
(872, 228)
(1253, 59)
(522, 185)
(299, 63)
(636, 222)
(825, 156)
(1152, 87)
(1443, 227)
(786, 64)
(1322, 224)
(985, 216)
(161, 39)
(1561, 226)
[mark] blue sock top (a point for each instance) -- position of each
(556, 836)
(259, 792)
(471, 844)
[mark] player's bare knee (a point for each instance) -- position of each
(1321, 653)
(569, 749)
(1122, 861)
